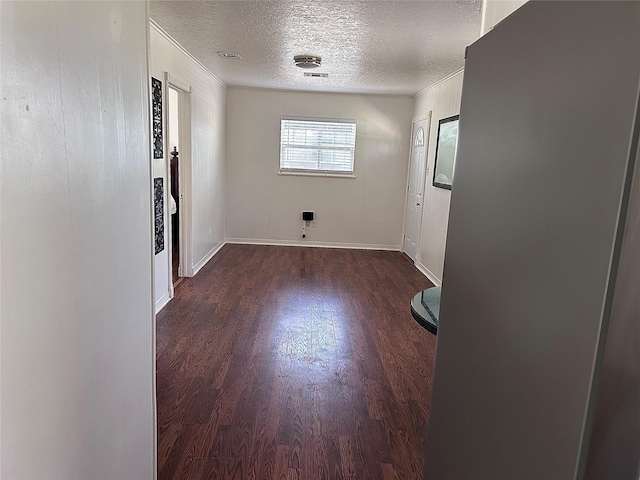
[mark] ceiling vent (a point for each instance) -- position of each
(307, 61)
(316, 75)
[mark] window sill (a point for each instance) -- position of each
(315, 174)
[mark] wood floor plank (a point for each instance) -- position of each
(294, 363)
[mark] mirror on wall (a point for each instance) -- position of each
(446, 152)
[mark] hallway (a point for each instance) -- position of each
(288, 362)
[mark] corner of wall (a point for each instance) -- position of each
(198, 266)
(433, 278)
(494, 11)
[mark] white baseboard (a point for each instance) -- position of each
(196, 268)
(162, 301)
(429, 274)
(304, 243)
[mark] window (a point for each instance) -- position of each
(317, 146)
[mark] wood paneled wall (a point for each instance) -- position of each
(442, 100)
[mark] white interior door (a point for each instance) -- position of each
(415, 188)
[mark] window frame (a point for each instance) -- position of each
(314, 172)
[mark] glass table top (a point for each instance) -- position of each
(425, 308)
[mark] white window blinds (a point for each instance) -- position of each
(316, 145)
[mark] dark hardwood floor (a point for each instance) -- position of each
(294, 363)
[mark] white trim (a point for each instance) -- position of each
(303, 118)
(185, 181)
(162, 302)
(196, 268)
(442, 80)
(178, 84)
(185, 253)
(184, 51)
(305, 173)
(152, 322)
(421, 118)
(427, 136)
(406, 190)
(428, 273)
(167, 187)
(289, 243)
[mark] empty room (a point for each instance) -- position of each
(298, 239)
(292, 352)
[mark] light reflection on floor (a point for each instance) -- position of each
(311, 337)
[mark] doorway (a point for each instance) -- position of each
(415, 187)
(174, 183)
(178, 199)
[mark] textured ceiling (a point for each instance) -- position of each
(392, 47)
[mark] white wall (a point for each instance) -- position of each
(494, 11)
(443, 100)
(77, 388)
(263, 206)
(207, 156)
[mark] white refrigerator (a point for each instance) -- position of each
(537, 373)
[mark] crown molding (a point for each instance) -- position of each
(184, 51)
(442, 80)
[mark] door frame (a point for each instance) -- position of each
(427, 135)
(185, 268)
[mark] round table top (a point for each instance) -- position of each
(425, 308)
